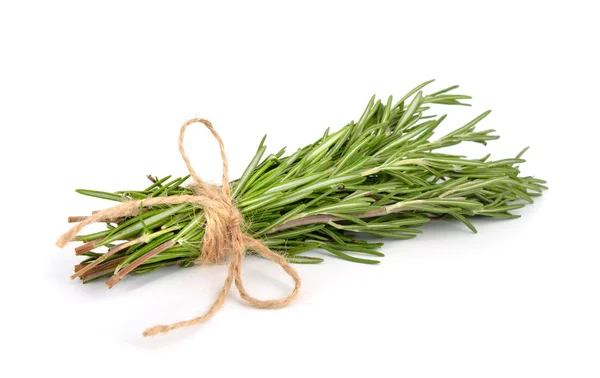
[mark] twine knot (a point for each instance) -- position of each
(223, 225)
(224, 238)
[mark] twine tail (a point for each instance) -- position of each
(217, 304)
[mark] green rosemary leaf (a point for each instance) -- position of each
(408, 113)
(157, 183)
(465, 221)
(415, 90)
(296, 183)
(305, 260)
(98, 194)
(239, 187)
(94, 236)
(346, 256)
(298, 231)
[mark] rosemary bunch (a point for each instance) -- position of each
(381, 176)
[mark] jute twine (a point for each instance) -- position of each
(223, 238)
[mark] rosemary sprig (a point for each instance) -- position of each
(382, 176)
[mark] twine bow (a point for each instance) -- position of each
(223, 234)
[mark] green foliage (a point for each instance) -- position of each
(380, 176)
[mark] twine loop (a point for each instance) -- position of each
(223, 240)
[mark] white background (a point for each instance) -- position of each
(92, 96)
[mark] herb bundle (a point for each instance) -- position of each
(383, 176)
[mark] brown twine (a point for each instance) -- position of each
(223, 234)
